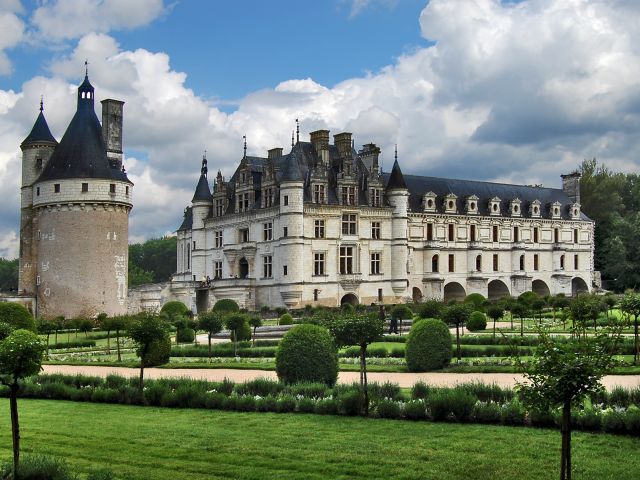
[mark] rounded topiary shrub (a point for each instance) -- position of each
(244, 332)
(428, 346)
(175, 309)
(307, 353)
(17, 316)
(185, 335)
(477, 321)
(402, 312)
(226, 305)
(286, 319)
(475, 299)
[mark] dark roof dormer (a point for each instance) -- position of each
(40, 133)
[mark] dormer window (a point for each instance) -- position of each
(515, 207)
(267, 197)
(472, 205)
(319, 193)
(494, 206)
(534, 209)
(554, 209)
(375, 197)
(574, 211)
(429, 202)
(348, 195)
(450, 205)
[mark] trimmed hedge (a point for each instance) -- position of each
(428, 346)
(307, 353)
(185, 335)
(285, 319)
(477, 321)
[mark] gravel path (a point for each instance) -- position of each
(402, 379)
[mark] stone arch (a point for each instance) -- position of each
(416, 295)
(244, 268)
(497, 289)
(540, 287)
(454, 291)
(578, 286)
(350, 298)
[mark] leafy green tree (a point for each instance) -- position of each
(561, 374)
(255, 322)
(610, 302)
(537, 305)
(8, 275)
(584, 308)
(103, 322)
(118, 324)
(476, 300)
(227, 305)
(520, 310)
(138, 276)
(153, 345)
(156, 256)
(457, 314)
(401, 312)
(16, 315)
(630, 305)
(558, 302)
(495, 311)
(431, 309)
(361, 330)
(5, 330)
(234, 323)
(46, 327)
(20, 357)
(212, 323)
(86, 325)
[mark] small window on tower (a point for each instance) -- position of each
(112, 188)
(126, 190)
(56, 188)
(85, 187)
(37, 191)
(38, 163)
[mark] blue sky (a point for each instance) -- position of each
(504, 91)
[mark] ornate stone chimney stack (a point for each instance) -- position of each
(320, 141)
(112, 130)
(342, 141)
(369, 156)
(571, 186)
(274, 152)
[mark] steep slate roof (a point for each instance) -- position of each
(81, 153)
(187, 220)
(396, 179)
(40, 132)
(485, 191)
(202, 193)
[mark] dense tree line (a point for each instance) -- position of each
(8, 275)
(612, 200)
(152, 261)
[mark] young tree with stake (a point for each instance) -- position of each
(211, 322)
(457, 314)
(151, 336)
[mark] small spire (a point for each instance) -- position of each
(41, 103)
(86, 68)
(292, 143)
(396, 156)
(297, 131)
(244, 137)
(204, 168)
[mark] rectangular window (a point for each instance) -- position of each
(244, 235)
(451, 232)
(112, 188)
(37, 191)
(346, 260)
(285, 200)
(375, 230)
(194, 244)
(349, 224)
(575, 262)
(56, 188)
(379, 294)
(430, 232)
(348, 195)
(375, 197)
(575, 235)
(318, 264)
(535, 234)
(284, 270)
(285, 231)
(495, 262)
(85, 187)
(126, 190)
(219, 207)
(536, 262)
(267, 262)
(318, 228)
(472, 233)
(556, 235)
(452, 262)
(318, 193)
(38, 280)
(267, 231)
(244, 202)
(516, 234)
(495, 233)
(217, 238)
(375, 263)
(217, 269)
(268, 197)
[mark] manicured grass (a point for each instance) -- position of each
(144, 443)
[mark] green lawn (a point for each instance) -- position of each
(154, 443)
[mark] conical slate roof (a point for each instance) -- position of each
(202, 193)
(40, 132)
(81, 152)
(396, 179)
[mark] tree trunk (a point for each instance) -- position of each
(511, 317)
(108, 342)
(141, 375)
(458, 341)
(15, 426)
(235, 344)
(565, 456)
(521, 327)
(118, 344)
(48, 335)
(254, 337)
(56, 338)
(494, 328)
(636, 353)
(209, 337)
(365, 386)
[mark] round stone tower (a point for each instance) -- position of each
(81, 204)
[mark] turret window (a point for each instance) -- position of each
(85, 187)
(56, 188)
(38, 163)
(112, 188)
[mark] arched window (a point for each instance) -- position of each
(479, 263)
(561, 262)
(434, 264)
(521, 262)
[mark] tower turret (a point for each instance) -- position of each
(398, 197)
(202, 203)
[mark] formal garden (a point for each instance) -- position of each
(563, 346)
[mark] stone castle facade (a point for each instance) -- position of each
(322, 225)
(75, 204)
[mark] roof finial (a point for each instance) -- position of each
(292, 143)
(86, 68)
(297, 131)
(396, 156)
(204, 168)
(245, 146)
(41, 103)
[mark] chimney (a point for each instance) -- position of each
(274, 152)
(369, 156)
(342, 141)
(112, 131)
(571, 186)
(320, 141)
